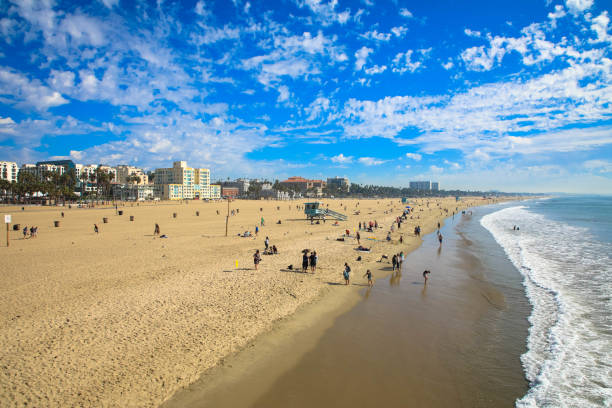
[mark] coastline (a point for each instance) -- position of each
(138, 314)
(258, 368)
(435, 346)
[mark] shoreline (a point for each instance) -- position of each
(180, 309)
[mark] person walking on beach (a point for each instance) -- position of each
(305, 262)
(25, 232)
(400, 260)
(96, 228)
(394, 262)
(358, 238)
(256, 259)
(369, 275)
(262, 221)
(347, 274)
(426, 275)
(267, 242)
(156, 230)
(256, 230)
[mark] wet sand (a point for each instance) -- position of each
(454, 342)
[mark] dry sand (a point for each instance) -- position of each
(124, 318)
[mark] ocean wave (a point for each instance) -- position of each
(568, 281)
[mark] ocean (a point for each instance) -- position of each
(563, 251)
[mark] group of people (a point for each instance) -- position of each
(397, 260)
(270, 250)
(346, 273)
(370, 226)
(33, 232)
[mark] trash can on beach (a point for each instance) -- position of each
(173, 215)
(105, 220)
(197, 213)
(131, 218)
(120, 212)
(56, 224)
(16, 227)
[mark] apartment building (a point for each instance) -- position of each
(182, 182)
(420, 185)
(9, 171)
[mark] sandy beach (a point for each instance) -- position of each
(125, 318)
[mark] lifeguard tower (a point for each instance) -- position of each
(315, 210)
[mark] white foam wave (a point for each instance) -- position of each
(568, 280)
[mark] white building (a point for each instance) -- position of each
(182, 182)
(435, 186)
(124, 172)
(9, 171)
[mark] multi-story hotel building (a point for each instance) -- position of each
(9, 171)
(182, 182)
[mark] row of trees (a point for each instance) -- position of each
(55, 186)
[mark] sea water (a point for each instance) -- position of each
(563, 249)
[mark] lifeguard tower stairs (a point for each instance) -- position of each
(316, 211)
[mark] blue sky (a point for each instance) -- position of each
(515, 95)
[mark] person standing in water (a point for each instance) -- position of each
(426, 275)
(440, 239)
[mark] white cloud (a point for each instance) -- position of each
(471, 33)
(578, 6)
(283, 94)
(399, 31)
(414, 156)
(370, 161)
(599, 166)
(556, 15)
(452, 165)
(448, 65)
(20, 91)
(317, 107)
(326, 11)
(361, 57)
(405, 13)
(600, 26)
(436, 169)
(375, 35)
(376, 69)
(403, 61)
(341, 158)
(212, 35)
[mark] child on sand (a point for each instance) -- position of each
(96, 228)
(369, 275)
(347, 274)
